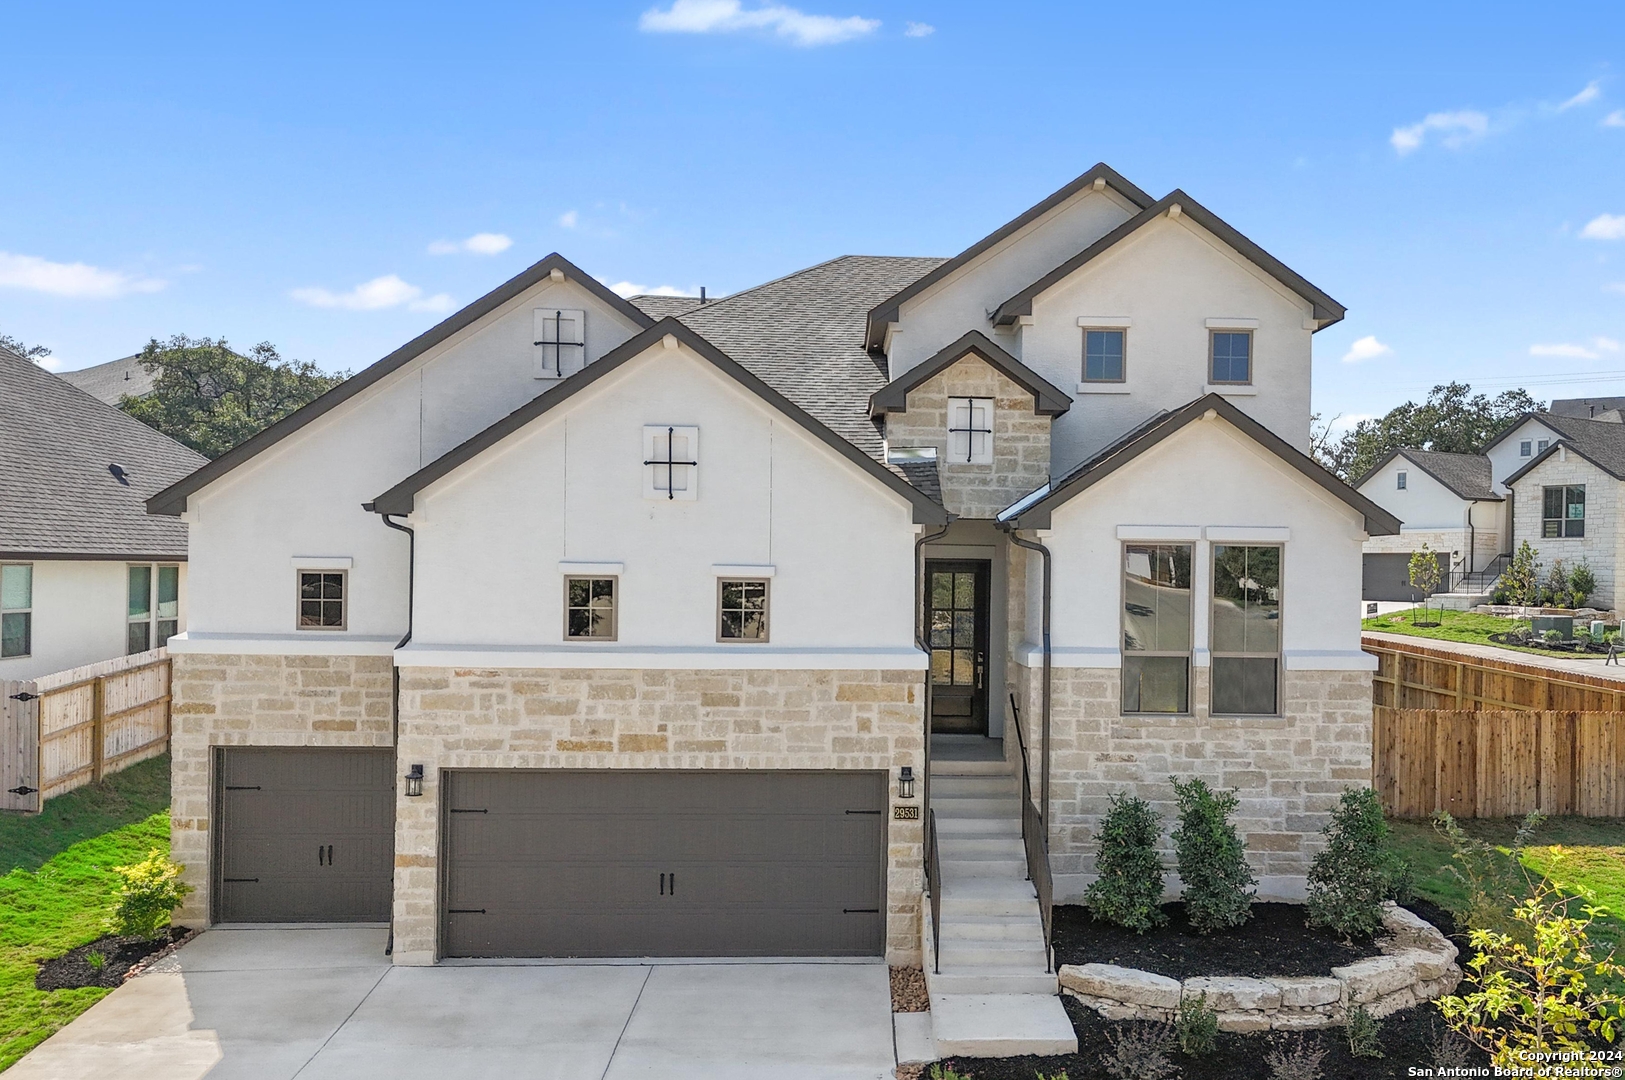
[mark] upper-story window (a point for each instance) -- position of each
(970, 430)
(1230, 356)
(323, 599)
(1540, 447)
(153, 614)
(16, 609)
(1401, 478)
(1525, 448)
(1563, 511)
(671, 458)
(1103, 355)
(560, 342)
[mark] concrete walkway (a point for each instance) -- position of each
(326, 1005)
(1591, 664)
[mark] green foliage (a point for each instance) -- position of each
(1053, 1076)
(939, 1071)
(1128, 891)
(1489, 882)
(35, 353)
(1300, 1061)
(1423, 571)
(1582, 583)
(1522, 576)
(96, 960)
(1452, 418)
(211, 398)
(1356, 872)
(1530, 993)
(1139, 1051)
(151, 891)
(1196, 1025)
(1553, 636)
(1364, 1033)
(1212, 858)
(1556, 587)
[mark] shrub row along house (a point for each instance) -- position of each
(1552, 478)
(584, 626)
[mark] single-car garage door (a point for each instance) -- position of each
(304, 834)
(1388, 577)
(666, 863)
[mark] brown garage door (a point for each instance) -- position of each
(304, 834)
(668, 863)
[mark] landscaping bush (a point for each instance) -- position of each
(147, 898)
(1300, 1062)
(1364, 1033)
(1556, 586)
(1582, 583)
(1356, 872)
(1128, 891)
(1490, 880)
(1499, 596)
(1522, 576)
(1212, 858)
(1140, 1052)
(1552, 637)
(1196, 1025)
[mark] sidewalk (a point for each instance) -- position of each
(1590, 665)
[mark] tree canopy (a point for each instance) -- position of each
(211, 398)
(1453, 419)
(35, 353)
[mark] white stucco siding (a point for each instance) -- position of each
(80, 615)
(1424, 503)
(570, 489)
(1170, 278)
(1205, 477)
(959, 303)
(1506, 456)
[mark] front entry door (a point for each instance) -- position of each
(956, 598)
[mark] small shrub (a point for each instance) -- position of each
(942, 1072)
(1557, 584)
(1128, 891)
(1053, 1076)
(96, 960)
(1212, 858)
(1364, 1033)
(1349, 880)
(1300, 1062)
(1140, 1052)
(1196, 1025)
(1499, 596)
(147, 899)
(1531, 998)
(1423, 571)
(1553, 637)
(1450, 1051)
(1522, 576)
(1582, 583)
(1611, 638)
(1490, 880)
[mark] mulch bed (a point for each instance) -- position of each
(119, 954)
(1275, 941)
(908, 990)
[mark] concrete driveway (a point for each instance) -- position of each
(326, 1005)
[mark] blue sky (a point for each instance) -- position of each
(312, 174)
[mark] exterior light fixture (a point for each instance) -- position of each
(905, 782)
(414, 781)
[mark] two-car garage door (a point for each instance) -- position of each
(664, 863)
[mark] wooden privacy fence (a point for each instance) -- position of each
(1423, 677)
(71, 728)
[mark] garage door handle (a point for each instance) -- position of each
(860, 911)
(863, 811)
(465, 911)
(242, 787)
(662, 884)
(455, 810)
(241, 880)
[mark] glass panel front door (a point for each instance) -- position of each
(956, 598)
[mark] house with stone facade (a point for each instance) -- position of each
(1447, 502)
(584, 626)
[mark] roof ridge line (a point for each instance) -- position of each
(710, 304)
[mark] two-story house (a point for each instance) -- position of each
(580, 626)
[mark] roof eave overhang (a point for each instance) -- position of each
(1561, 442)
(1048, 399)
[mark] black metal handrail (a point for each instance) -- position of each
(1034, 841)
(933, 882)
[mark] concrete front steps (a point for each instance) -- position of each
(993, 997)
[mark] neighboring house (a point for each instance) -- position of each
(113, 380)
(603, 622)
(1566, 501)
(1600, 408)
(1447, 501)
(85, 573)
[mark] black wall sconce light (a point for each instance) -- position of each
(414, 781)
(905, 782)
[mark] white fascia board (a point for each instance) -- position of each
(1231, 324)
(1248, 534)
(308, 643)
(1106, 322)
(1328, 660)
(1159, 532)
(321, 562)
(588, 569)
(1031, 655)
(622, 657)
(742, 570)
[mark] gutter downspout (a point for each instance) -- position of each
(924, 645)
(1043, 780)
(395, 671)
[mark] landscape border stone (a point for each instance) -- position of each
(1417, 964)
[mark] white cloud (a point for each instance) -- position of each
(78, 280)
(1605, 227)
(1615, 286)
(1592, 91)
(50, 363)
(628, 288)
(1366, 348)
(727, 16)
(1614, 119)
(1457, 128)
(485, 243)
(1592, 350)
(375, 295)
(918, 29)
(568, 219)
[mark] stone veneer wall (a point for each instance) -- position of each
(1599, 546)
(235, 700)
(651, 719)
(1021, 438)
(1289, 770)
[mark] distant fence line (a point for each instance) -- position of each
(1415, 676)
(71, 728)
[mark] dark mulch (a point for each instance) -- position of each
(1275, 941)
(1408, 1039)
(73, 969)
(908, 993)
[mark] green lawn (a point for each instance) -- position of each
(60, 890)
(1467, 626)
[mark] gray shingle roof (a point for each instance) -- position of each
(57, 495)
(1601, 442)
(110, 381)
(658, 307)
(1586, 408)
(1466, 475)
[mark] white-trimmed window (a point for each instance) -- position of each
(1541, 445)
(1526, 447)
(1103, 354)
(153, 613)
(560, 342)
(589, 608)
(16, 609)
(1156, 628)
(1246, 630)
(1400, 478)
(970, 430)
(324, 599)
(671, 460)
(742, 609)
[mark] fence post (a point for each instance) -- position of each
(98, 725)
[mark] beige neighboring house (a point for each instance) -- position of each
(85, 573)
(1566, 501)
(113, 380)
